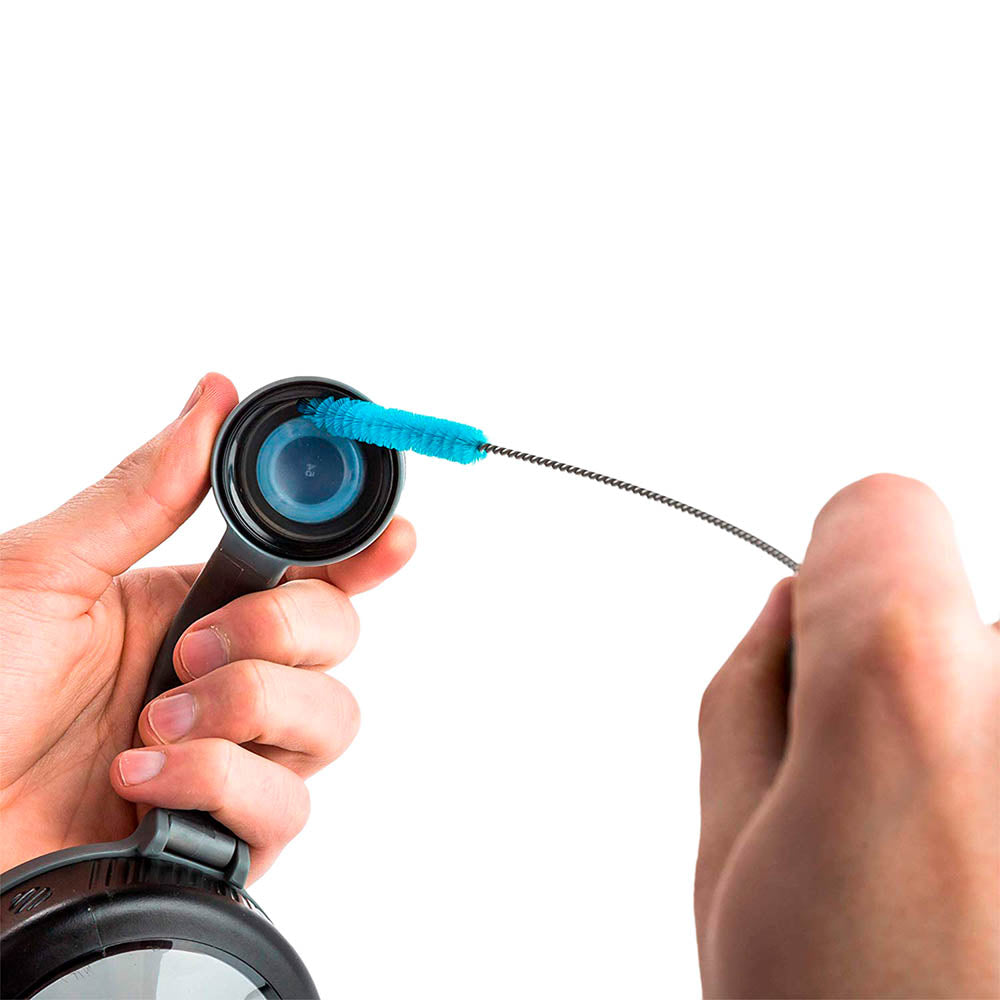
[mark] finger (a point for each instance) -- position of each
(742, 726)
(882, 590)
(260, 801)
(102, 531)
(385, 556)
(309, 715)
(302, 622)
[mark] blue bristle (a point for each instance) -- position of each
(360, 420)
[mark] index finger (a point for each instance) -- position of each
(882, 586)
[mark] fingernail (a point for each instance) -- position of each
(194, 397)
(138, 766)
(203, 650)
(172, 716)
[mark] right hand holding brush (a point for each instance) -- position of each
(850, 839)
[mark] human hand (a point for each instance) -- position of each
(850, 840)
(255, 715)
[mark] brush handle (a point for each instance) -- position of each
(233, 570)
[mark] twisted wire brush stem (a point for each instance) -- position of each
(492, 449)
(363, 420)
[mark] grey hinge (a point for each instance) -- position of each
(189, 838)
(196, 839)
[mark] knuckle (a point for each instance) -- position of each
(216, 770)
(297, 809)
(290, 798)
(907, 681)
(904, 643)
(342, 626)
(348, 713)
(336, 625)
(350, 620)
(251, 700)
(282, 611)
(255, 690)
(345, 719)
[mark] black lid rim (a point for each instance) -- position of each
(97, 908)
(274, 536)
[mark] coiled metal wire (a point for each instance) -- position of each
(492, 449)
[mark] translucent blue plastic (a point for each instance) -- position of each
(308, 474)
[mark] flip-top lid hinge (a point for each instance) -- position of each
(194, 838)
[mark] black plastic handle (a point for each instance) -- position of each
(234, 569)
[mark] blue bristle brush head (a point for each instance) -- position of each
(360, 420)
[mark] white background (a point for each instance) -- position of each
(742, 253)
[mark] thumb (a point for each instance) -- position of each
(102, 531)
(743, 727)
